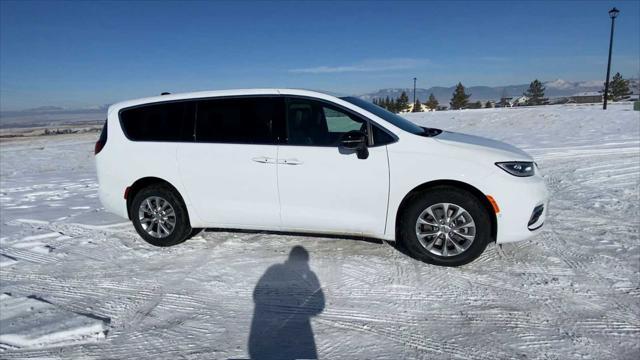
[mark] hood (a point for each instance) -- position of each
(502, 150)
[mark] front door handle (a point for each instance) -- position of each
(264, 160)
(290, 162)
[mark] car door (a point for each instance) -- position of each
(324, 187)
(230, 170)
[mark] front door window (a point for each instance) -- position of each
(313, 123)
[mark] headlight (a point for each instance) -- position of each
(517, 168)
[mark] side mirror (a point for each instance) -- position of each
(355, 140)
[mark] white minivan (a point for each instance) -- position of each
(304, 161)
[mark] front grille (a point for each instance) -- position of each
(535, 215)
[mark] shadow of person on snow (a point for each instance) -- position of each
(286, 297)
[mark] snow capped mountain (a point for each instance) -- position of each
(559, 84)
(562, 84)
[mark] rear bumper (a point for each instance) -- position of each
(524, 203)
(111, 192)
(112, 204)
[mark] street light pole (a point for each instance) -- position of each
(612, 14)
(414, 91)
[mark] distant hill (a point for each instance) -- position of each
(55, 115)
(51, 116)
(555, 88)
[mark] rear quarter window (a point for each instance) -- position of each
(103, 133)
(159, 122)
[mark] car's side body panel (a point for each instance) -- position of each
(122, 162)
(230, 185)
(516, 197)
(328, 190)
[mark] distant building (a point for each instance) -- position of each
(442, 107)
(560, 100)
(587, 97)
(519, 101)
(504, 102)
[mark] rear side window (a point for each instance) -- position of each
(159, 122)
(244, 120)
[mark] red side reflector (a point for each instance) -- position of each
(494, 204)
(126, 192)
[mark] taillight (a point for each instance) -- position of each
(102, 141)
(98, 147)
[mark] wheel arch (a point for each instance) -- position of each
(145, 182)
(454, 184)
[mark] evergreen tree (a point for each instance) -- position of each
(488, 104)
(460, 99)
(432, 103)
(393, 104)
(417, 107)
(535, 93)
(402, 102)
(618, 88)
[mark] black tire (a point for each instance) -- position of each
(182, 229)
(444, 194)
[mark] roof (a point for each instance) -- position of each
(217, 93)
(588, 93)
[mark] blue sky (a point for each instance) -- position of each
(80, 54)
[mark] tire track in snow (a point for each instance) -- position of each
(416, 341)
(171, 282)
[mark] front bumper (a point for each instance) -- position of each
(537, 219)
(524, 203)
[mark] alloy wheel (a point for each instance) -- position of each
(445, 229)
(157, 217)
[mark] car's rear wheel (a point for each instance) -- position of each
(445, 226)
(159, 216)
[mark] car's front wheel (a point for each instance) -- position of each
(159, 216)
(445, 226)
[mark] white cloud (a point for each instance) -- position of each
(365, 66)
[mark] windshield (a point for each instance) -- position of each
(394, 119)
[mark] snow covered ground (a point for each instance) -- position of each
(78, 282)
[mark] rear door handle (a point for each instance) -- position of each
(264, 160)
(290, 162)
